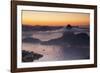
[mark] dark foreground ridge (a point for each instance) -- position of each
(30, 56)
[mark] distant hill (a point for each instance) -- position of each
(79, 39)
(31, 40)
(39, 28)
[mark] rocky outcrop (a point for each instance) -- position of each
(30, 56)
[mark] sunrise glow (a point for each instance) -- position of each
(34, 18)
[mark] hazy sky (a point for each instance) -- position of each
(54, 18)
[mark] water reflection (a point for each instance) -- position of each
(55, 53)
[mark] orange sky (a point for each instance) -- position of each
(54, 18)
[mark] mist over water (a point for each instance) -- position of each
(57, 45)
(56, 53)
(48, 52)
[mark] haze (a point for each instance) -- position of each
(34, 18)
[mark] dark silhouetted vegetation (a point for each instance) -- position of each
(30, 56)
